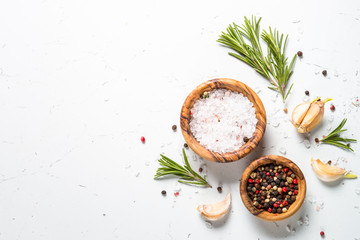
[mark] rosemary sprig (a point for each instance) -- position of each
(334, 137)
(274, 66)
(186, 173)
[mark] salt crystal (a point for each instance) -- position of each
(208, 224)
(300, 222)
(282, 150)
(357, 191)
(307, 143)
(293, 231)
(275, 123)
(306, 99)
(331, 118)
(147, 163)
(328, 127)
(221, 121)
(177, 188)
(306, 220)
(288, 228)
(137, 174)
(285, 135)
(336, 74)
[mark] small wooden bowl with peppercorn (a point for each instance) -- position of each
(273, 188)
(234, 86)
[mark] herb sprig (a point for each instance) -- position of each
(274, 65)
(335, 139)
(186, 173)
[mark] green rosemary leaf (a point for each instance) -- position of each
(334, 138)
(186, 173)
(245, 41)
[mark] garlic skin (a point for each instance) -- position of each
(327, 173)
(308, 115)
(217, 210)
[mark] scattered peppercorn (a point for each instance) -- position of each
(185, 145)
(324, 72)
(307, 93)
(246, 139)
(163, 192)
(317, 140)
(299, 53)
(174, 127)
(332, 107)
(142, 139)
(322, 233)
(219, 189)
(285, 110)
(200, 169)
(329, 162)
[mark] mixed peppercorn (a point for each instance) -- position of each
(272, 188)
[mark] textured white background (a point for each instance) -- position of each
(81, 81)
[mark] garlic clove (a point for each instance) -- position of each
(215, 211)
(313, 117)
(328, 173)
(299, 113)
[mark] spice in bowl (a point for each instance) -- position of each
(272, 188)
(222, 120)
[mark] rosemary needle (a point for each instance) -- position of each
(186, 173)
(274, 65)
(334, 137)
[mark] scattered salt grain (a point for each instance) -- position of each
(357, 191)
(328, 127)
(288, 228)
(282, 151)
(285, 135)
(306, 220)
(300, 222)
(208, 224)
(306, 99)
(220, 121)
(275, 123)
(336, 74)
(137, 174)
(307, 143)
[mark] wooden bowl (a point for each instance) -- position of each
(233, 85)
(263, 214)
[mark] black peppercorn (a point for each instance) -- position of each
(200, 169)
(307, 93)
(246, 139)
(185, 145)
(317, 140)
(324, 72)
(163, 192)
(174, 127)
(299, 53)
(219, 189)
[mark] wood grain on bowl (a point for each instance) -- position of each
(233, 85)
(277, 160)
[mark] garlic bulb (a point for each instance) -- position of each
(329, 173)
(308, 115)
(217, 210)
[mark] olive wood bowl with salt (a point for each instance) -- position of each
(235, 86)
(276, 160)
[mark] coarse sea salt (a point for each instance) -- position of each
(222, 119)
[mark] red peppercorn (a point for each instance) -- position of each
(295, 192)
(250, 180)
(276, 174)
(176, 194)
(322, 233)
(291, 185)
(284, 189)
(332, 107)
(285, 203)
(142, 139)
(275, 205)
(257, 181)
(269, 210)
(295, 181)
(286, 169)
(257, 191)
(267, 174)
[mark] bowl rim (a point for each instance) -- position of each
(260, 213)
(223, 83)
